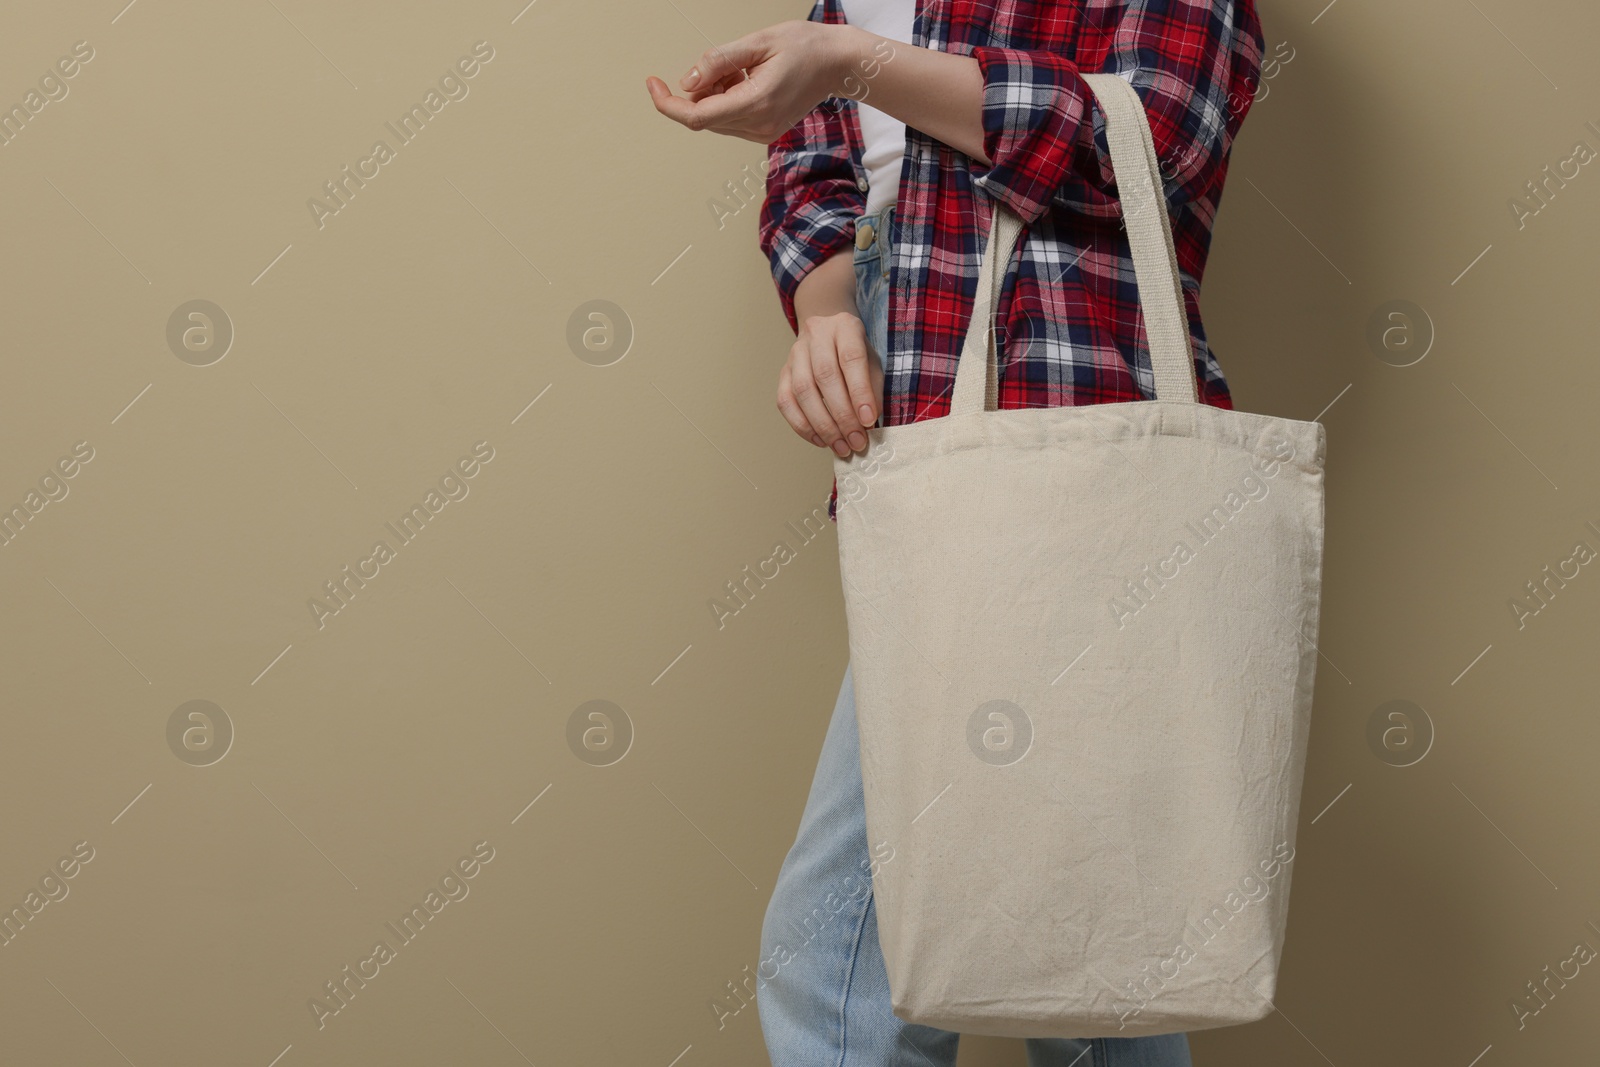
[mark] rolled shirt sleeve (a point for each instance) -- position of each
(1192, 64)
(812, 197)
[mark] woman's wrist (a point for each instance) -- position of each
(838, 48)
(851, 45)
(855, 58)
(938, 93)
(828, 289)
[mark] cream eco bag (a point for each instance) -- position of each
(1083, 644)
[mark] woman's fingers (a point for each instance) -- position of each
(790, 408)
(803, 383)
(686, 113)
(736, 113)
(759, 86)
(856, 362)
(828, 370)
(723, 62)
(713, 88)
(821, 401)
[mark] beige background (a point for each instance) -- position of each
(370, 355)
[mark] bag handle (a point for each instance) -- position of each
(1155, 264)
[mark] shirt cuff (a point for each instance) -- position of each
(815, 234)
(1038, 127)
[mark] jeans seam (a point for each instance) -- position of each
(849, 977)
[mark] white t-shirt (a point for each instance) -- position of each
(884, 136)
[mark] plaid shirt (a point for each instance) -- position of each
(1072, 332)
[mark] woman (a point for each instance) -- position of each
(874, 223)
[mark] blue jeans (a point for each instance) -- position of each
(822, 990)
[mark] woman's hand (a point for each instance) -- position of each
(759, 86)
(763, 83)
(832, 384)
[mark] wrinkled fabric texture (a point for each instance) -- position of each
(1072, 329)
(1083, 647)
(821, 989)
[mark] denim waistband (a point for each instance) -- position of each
(881, 221)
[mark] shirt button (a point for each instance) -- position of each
(861, 183)
(864, 236)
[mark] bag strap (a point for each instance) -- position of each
(1155, 264)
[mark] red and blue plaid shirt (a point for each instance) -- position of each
(1072, 331)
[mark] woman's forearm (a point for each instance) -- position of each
(932, 91)
(829, 288)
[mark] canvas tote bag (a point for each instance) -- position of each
(1083, 641)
